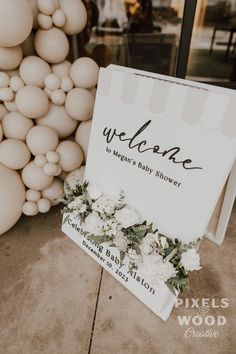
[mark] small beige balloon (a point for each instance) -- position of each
(4, 79)
(51, 169)
(32, 195)
(14, 154)
(45, 22)
(52, 81)
(3, 111)
(84, 73)
(52, 156)
(47, 7)
(33, 70)
(40, 160)
(41, 139)
(6, 94)
(79, 104)
(11, 106)
(34, 177)
(16, 21)
(82, 135)
(76, 16)
(58, 119)
(71, 155)
(59, 18)
(44, 205)
(16, 83)
(52, 45)
(58, 97)
(66, 84)
(12, 196)
(54, 193)
(30, 208)
(62, 69)
(10, 58)
(16, 126)
(32, 101)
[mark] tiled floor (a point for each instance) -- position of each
(56, 300)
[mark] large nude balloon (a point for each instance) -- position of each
(76, 16)
(16, 126)
(14, 154)
(79, 104)
(35, 11)
(16, 21)
(41, 139)
(84, 73)
(32, 101)
(62, 69)
(82, 135)
(10, 58)
(12, 197)
(71, 155)
(34, 177)
(52, 45)
(33, 70)
(58, 119)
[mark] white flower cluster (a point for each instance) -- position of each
(145, 249)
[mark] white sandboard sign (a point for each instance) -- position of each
(169, 144)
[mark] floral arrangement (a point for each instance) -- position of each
(103, 219)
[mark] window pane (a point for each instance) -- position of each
(212, 54)
(142, 34)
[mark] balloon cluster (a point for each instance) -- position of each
(46, 105)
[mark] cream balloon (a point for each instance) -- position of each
(44, 205)
(52, 157)
(58, 97)
(32, 102)
(16, 83)
(16, 126)
(32, 195)
(52, 169)
(16, 21)
(82, 135)
(44, 21)
(41, 139)
(4, 80)
(62, 69)
(6, 94)
(35, 11)
(12, 196)
(14, 154)
(47, 7)
(59, 18)
(71, 155)
(58, 119)
(84, 73)
(11, 106)
(76, 16)
(73, 178)
(79, 104)
(34, 178)
(52, 81)
(30, 209)
(54, 192)
(33, 70)
(52, 45)
(10, 58)
(3, 111)
(40, 160)
(66, 84)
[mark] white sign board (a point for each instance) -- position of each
(169, 144)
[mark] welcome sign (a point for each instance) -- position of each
(169, 144)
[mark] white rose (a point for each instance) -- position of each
(190, 260)
(104, 205)
(121, 241)
(148, 243)
(110, 227)
(134, 256)
(156, 270)
(127, 217)
(93, 224)
(94, 191)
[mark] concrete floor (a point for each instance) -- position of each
(56, 300)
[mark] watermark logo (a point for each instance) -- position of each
(204, 317)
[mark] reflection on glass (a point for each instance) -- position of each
(212, 54)
(142, 34)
